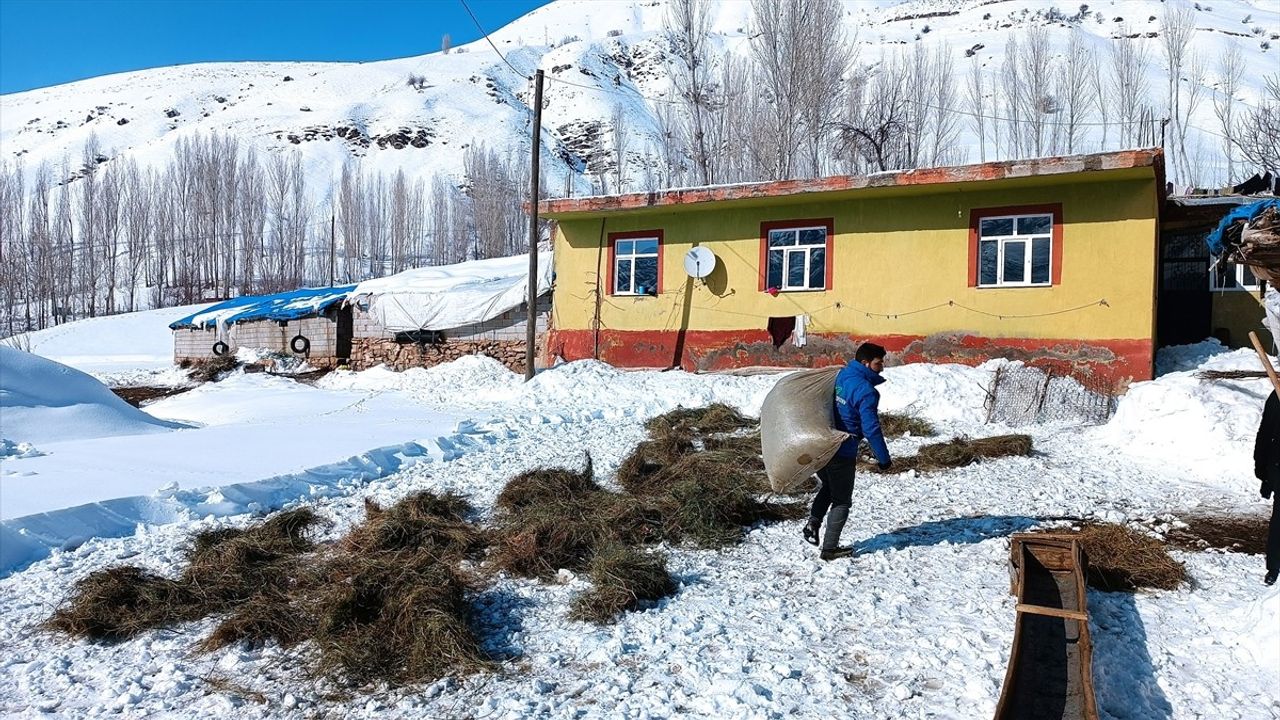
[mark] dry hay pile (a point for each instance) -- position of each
(699, 479)
(211, 369)
(955, 453)
(1231, 374)
(895, 425)
(1121, 558)
(1235, 533)
(387, 603)
(714, 419)
(225, 567)
(622, 578)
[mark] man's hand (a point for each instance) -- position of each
(884, 465)
(1265, 490)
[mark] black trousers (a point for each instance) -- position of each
(835, 496)
(1273, 534)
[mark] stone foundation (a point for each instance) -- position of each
(369, 352)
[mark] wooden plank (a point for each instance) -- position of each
(1052, 611)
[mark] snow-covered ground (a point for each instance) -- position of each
(919, 624)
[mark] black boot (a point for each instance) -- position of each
(811, 529)
(836, 553)
(1270, 579)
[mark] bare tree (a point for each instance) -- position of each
(1259, 135)
(688, 26)
(1075, 91)
(975, 103)
(618, 130)
(875, 128)
(1230, 73)
(1129, 61)
(1176, 28)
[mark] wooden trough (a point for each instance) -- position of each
(1050, 674)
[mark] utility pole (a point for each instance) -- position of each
(531, 332)
(333, 243)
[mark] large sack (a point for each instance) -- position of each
(796, 432)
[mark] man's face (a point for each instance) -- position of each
(876, 365)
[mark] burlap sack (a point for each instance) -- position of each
(796, 432)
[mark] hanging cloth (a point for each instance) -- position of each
(798, 336)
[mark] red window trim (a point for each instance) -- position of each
(1055, 254)
(765, 227)
(614, 237)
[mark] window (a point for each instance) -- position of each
(1016, 247)
(796, 255)
(636, 263)
(1230, 276)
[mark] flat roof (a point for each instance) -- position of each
(1008, 169)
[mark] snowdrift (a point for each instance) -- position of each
(111, 343)
(44, 401)
(1179, 415)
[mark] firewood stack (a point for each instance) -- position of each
(1250, 236)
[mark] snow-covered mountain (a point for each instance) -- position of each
(417, 114)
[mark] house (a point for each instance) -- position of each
(417, 318)
(1050, 261)
(1200, 297)
(312, 323)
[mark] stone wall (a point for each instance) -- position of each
(501, 338)
(368, 352)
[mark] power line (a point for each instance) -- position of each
(485, 33)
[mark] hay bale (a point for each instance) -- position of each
(120, 603)
(1121, 558)
(899, 424)
(710, 420)
(623, 577)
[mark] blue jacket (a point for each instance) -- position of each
(857, 405)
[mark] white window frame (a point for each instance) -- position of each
(1026, 240)
(630, 258)
(805, 250)
(1240, 286)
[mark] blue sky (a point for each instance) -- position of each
(46, 42)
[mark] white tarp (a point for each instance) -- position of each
(450, 296)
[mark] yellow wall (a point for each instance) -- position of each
(1239, 312)
(896, 250)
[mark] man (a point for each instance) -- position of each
(1266, 467)
(857, 405)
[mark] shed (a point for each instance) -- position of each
(432, 315)
(312, 323)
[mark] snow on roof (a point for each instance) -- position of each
(280, 306)
(450, 296)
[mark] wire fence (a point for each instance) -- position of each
(1025, 395)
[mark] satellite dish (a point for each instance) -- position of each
(699, 262)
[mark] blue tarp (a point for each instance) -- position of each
(1216, 239)
(281, 306)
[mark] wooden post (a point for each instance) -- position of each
(1266, 361)
(531, 333)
